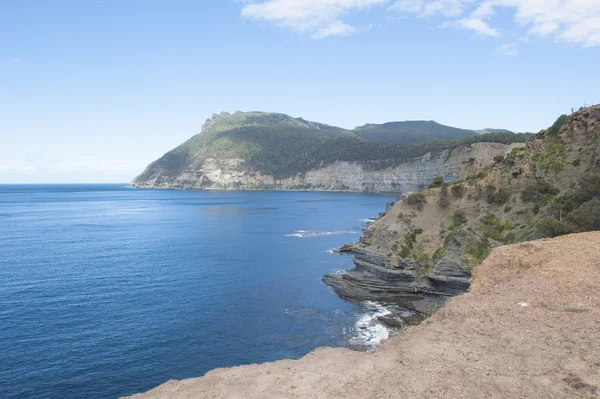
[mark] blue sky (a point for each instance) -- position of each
(92, 91)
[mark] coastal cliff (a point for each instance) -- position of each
(424, 249)
(528, 327)
(234, 174)
(264, 151)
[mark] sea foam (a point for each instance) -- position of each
(310, 233)
(368, 331)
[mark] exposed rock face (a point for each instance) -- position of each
(378, 277)
(418, 255)
(528, 328)
(235, 174)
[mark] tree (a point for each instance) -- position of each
(436, 182)
(443, 200)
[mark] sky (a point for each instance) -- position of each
(91, 91)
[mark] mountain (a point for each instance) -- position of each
(426, 246)
(412, 132)
(259, 150)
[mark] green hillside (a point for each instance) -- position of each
(281, 146)
(412, 132)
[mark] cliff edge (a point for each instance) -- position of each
(528, 328)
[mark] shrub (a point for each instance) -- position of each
(471, 179)
(459, 217)
(551, 158)
(576, 162)
(536, 188)
(436, 182)
(438, 254)
(496, 195)
(389, 206)
(549, 227)
(499, 158)
(554, 130)
(458, 190)
(443, 200)
(586, 218)
(590, 182)
(501, 196)
(417, 200)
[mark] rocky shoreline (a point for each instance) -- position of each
(380, 278)
(528, 327)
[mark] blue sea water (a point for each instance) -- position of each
(108, 291)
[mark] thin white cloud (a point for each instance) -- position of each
(570, 21)
(335, 28)
(318, 18)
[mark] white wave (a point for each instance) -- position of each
(368, 331)
(366, 220)
(309, 233)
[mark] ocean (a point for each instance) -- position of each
(108, 291)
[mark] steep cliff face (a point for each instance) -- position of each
(257, 150)
(236, 174)
(424, 249)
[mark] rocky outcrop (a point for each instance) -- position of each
(422, 252)
(376, 277)
(528, 328)
(236, 174)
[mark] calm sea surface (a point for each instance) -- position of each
(108, 291)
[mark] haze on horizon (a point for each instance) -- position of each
(94, 91)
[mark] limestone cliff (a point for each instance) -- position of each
(234, 174)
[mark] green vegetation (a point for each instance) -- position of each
(510, 158)
(281, 146)
(552, 159)
(412, 132)
(443, 200)
(436, 182)
(537, 189)
(417, 200)
(410, 250)
(479, 250)
(495, 229)
(495, 195)
(457, 190)
(554, 130)
(473, 178)
(576, 210)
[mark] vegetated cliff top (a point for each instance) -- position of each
(413, 132)
(548, 188)
(528, 328)
(281, 146)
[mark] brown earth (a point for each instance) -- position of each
(528, 328)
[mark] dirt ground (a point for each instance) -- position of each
(528, 328)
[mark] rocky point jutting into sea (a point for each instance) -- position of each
(528, 328)
(425, 247)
